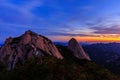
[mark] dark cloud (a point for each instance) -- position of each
(115, 29)
(71, 34)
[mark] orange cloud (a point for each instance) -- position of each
(98, 39)
(88, 38)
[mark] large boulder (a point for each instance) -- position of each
(77, 49)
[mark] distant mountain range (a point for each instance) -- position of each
(105, 54)
(114, 47)
(66, 43)
(61, 43)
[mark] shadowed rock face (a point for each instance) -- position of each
(77, 49)
(27, 46)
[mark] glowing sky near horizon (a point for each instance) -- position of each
(60, 20)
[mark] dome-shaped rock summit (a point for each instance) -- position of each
(77, 49)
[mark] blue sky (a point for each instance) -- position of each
(60, 19)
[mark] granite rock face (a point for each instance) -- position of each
(29, 45)
(77, 49)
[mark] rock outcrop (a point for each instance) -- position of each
(27, 46)
(77, 49)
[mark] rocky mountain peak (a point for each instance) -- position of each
(77, 49)
(29, 45)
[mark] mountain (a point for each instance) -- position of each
(29, 45)
(51, 68)
(106, 55)
(114, 47)
(77, 49)
(66, 43)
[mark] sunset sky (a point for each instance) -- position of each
(60, 20)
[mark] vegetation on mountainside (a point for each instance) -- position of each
(50, 68)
